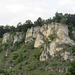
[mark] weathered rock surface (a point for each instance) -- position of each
(66, 55)
(62, 38)
(18, 37)
(41, 33)
(7, 37)
(73, 33)
(39, 40)
(31, 34)
(45, 54)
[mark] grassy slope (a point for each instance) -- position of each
(25, 59)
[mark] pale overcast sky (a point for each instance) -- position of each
(14, 11)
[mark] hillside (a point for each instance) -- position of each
(42, 50)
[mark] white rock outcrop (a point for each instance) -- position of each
(31, 34)
(7, 37)
(66, 55)
(18, 37)
(73, 33)
(62, 37)
(45, 54)
(39, 40)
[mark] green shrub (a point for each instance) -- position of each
(29, 46)
(20, 58)
(1, 70)
(17, 43)
(12, 50)
(32, 45)
(37, 55)
(46, 41)
(72, 68)
(73, 48)
(15, 55)
(0, 39)
(52, 36)
(53, 64)
(5, 46)
(1, 49)
(30, 66)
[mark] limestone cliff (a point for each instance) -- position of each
(17, 37)
(31, 34)
(45, 32)
(52, 37)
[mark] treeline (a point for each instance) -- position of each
(68, 19)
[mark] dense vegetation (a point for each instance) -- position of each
(23, 59)
(68, 19)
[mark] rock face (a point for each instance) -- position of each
(66, 55)
(73, 33)
(39, 40)
(45, 54)
(18, 37)
(51, 36)
(7, 37)
(39, 34)
(62, 38)
(31, 34)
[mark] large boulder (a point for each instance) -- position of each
(7, 37)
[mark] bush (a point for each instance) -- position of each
(17, 43)
(29, 46)
(1, 49)
(1, 70)
(5, 46)
(52, 36)
(47, 41)
(72, 68)
(73, 48)
(32, 45)
(37, 55)
(30, 66)
(15, 55)
(20, 58)
(53, 64)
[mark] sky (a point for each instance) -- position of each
(14, 11)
